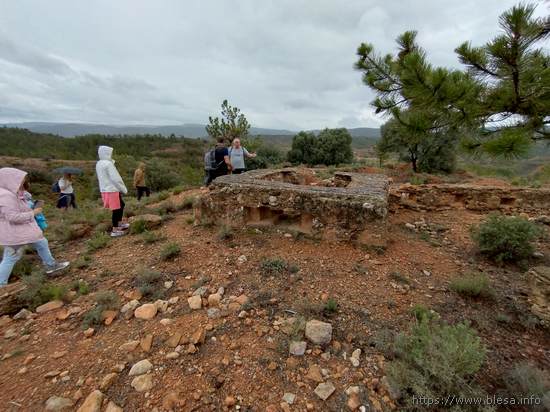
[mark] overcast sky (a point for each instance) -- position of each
(285, 63)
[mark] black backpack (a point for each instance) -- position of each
(210, 160)
(56, 188)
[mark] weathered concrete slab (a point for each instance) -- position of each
(339, 208)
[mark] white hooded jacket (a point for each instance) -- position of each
(107, 174)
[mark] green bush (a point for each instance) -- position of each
(160, 176)
(170, 251)
(187, 203)
(503, 238)
(80, 286)
(105, 300)
(330, 147)
(151, 237)
(423, 313)
(177, 190)
(524, 381)
(98, 241)
(149, 283)
(39, 291)
(271, 267)
(435, 361)
(82, 262)
(472, 285)
(331, 306)
(138, 226)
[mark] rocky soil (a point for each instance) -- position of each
(232, 334)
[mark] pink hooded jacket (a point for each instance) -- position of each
(17, 224)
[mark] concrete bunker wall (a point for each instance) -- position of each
(296, 199)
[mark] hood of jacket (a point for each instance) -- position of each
(11, 179)
(105, 153)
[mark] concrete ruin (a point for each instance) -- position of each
(349, 206)
(465, 196)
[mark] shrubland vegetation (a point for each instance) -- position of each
(506, 238)
(436, 360)
(330, 147)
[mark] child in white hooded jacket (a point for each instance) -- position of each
(112, 188)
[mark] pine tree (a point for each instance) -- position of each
(232, 125)
(507, 79)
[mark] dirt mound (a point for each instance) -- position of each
(227, 313)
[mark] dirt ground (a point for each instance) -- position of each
(244, 360)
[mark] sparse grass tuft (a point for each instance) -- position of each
(98, 241)
(105, 300)
(177, 190)
(525, 381)
(83, 262)
(170, 251)
(80, 286)
(187, 203)
(399, 278)
(225, 233)
(331, 306)
(472, 285)
(149, 283)
(38, 291)
(421, 313)
(275, 266)
(151, 237)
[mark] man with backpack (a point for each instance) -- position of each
(217, 162)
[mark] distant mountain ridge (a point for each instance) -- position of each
(186, 129)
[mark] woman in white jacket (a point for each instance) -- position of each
(111, 187)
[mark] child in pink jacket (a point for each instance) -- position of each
(18, 227)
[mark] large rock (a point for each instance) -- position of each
(150, 221)
(195, 302)
(297, 348)
(142, 383)
(92, 403)
(318, 332)
(113, 407)
(324, 390)
(141, 367)
(52, 305)
(57, 403)
(539, 280)
(146, 342)
(146, 312)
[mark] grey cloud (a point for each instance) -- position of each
(285, 63)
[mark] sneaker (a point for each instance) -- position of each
(123, 226)
(57, 267)
(117, 233)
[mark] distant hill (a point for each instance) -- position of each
(187, 130)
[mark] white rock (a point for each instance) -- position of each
(141, 367)
(168, 284)
(195, 302)
(324, 390)
(297, 348)
(318, 332)
(241, 259)
(289, 398)
(57, 403)
(92, 403)
(23, 314)
(142, 383)
(130, 306)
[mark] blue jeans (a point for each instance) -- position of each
(12, 254)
